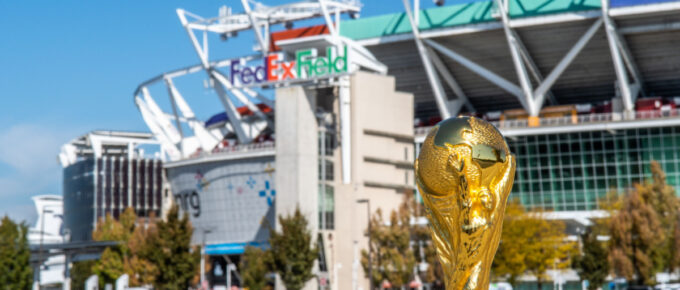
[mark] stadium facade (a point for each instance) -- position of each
(582, 90)
(105, 172)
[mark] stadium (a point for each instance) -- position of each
(330, 117)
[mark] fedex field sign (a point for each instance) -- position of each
(274, 68)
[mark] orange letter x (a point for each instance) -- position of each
(287, 70)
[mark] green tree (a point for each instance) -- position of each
(15, 269)
(636, 240)
(127, 257)
(254, 268)
(661, 196)
(509, 260)
(393, 258)
(423, 249)
(426, 253)
(292, 251)
(645, 229)
(170, 250)
(592, 265)
(530, 243)
(80, 272)
(109, 266)
(140, 270)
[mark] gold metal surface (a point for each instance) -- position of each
(465, 173)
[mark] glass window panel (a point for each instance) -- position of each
(669, 168)
(611, 170)
(554, 148)
(557, 185)
(534, 174)
(587, 146)
(588, 171)
(669, 153)
(578, 184)
(598, 158)
(578, 172)
(590, 184)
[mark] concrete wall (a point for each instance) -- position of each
(296, 153)
(382, 129)
(297, 157)
(381, 156)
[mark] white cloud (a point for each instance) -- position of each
(29, 148)
(28, 154)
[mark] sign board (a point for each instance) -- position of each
(275, 69)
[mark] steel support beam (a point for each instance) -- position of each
(520, 68)
(207, 139)
(260, 97)
(160, 118)
(450, 81)
(666, 26)
(241, 97)
(629, 61)
(479, 70)
(173, 102)
(232, 114)
(533, 68)
(256, 29)
(155, 128)
(619, 65)
(202, 52)
(327, 17)
(437, 89)
(542, 89)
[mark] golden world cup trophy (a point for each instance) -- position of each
(465, 173)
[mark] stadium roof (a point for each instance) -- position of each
(548, 29)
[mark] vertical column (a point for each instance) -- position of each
(97, 190)
(134, 184)
(141, 188)
(107, 186)
(151, 179)
(158, 192)
(67, 272)
(297, 157)
(115, 188)
(345, 129)
(125, 183)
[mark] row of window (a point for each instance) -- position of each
(573, 171)
(327, 143)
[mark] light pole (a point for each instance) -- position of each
(42, 234)
(205, 232)
(370, 248)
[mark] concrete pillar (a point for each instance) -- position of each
(67, 272)
(36, 277)
(297, 150)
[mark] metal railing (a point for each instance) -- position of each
(244, 148)
(577, 119)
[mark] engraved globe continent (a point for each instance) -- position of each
(453, 142)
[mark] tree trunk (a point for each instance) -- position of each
(539, 283)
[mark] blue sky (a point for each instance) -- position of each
(69, 67)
